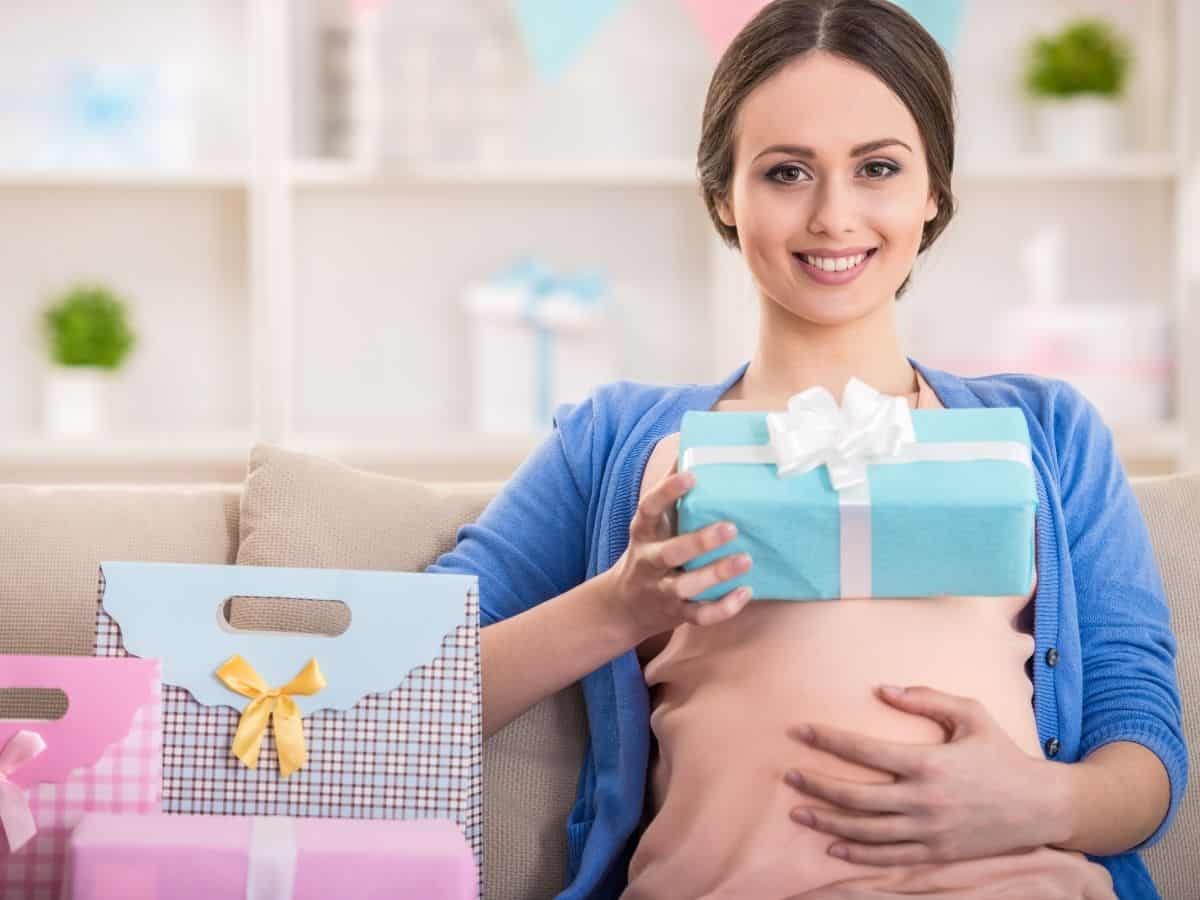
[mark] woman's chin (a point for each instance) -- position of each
(830, 310)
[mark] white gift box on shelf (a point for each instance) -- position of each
(1116, 354)
(536, 341)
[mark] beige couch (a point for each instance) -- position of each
(308, 512)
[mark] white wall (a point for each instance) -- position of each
(378, 269)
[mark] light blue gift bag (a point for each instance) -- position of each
(387, 712)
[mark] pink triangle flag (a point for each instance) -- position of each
(720, 20)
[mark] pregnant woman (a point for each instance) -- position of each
(955, 746)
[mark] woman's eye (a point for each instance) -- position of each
(786, 174)
(878, 170)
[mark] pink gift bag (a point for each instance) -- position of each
(104, 755)
(180, 857)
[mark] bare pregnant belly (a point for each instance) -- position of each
(724, 698)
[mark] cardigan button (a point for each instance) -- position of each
(1052, 657)
(1052, 747)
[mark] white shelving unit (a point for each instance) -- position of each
(99, 179)
(320, 295)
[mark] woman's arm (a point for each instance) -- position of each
(527, 658)
(1134, 764)
(545, 626)
(1111, 801)
(528, 546)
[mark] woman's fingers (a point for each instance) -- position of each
(865, 829)
(659, 557)
(687, 585)
(708, 613)
(887, 756)
(674, 552)
(673, 509)
(854, 796)
(656, 503)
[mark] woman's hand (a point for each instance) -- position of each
(1041, 874)
(647, 581)
(978, 794)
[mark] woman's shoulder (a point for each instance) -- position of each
(1066, 430)
(1054, 407)
(622, 411)
(629, 401)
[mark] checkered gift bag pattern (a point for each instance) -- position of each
(412, 752)
(125, 779)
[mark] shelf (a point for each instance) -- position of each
(125, 452)
(1033, 167)
(124, 179)
(639, 173)
(234, 447)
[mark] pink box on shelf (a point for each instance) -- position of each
(183, 857)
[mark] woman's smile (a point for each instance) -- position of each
(834, 269)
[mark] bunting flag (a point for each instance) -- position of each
(720, 20)
(556, 31)
(941, 18)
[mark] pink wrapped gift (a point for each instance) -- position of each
(182, 857)
(103, 754)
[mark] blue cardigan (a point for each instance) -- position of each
(564, 517)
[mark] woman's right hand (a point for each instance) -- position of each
(654, 593)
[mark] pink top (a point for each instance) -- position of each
(724, 697)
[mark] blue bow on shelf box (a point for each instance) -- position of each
(538, 339)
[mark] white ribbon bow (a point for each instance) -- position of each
(16, 818)
(868, 427)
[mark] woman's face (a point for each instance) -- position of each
(829, 174)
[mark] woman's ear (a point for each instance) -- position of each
(932, 207)
(725, 210)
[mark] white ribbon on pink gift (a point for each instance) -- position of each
(271, 869)
(868, 428)
(16, 818)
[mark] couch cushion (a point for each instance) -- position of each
(1171, 507)
(53, 539)
(302, 510)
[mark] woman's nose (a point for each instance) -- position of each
(833, 209)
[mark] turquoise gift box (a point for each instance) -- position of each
(950, 514)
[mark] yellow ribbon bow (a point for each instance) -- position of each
(267, 703)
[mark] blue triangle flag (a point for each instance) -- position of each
(555, 31)
(941, 18)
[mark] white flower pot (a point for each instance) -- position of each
(1085, 127)
(77, 401)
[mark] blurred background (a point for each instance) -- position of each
(398, 233)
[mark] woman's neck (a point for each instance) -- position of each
(793, 355)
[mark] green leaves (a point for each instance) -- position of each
(88, 326)
(1086, 57)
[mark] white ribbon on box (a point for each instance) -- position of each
(869, 428)
(271, 870)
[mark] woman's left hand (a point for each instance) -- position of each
(977, 794)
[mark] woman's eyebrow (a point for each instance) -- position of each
(809, 153)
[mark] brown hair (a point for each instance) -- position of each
(876, 34)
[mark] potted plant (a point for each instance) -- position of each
(88, 336)
(1076, 78)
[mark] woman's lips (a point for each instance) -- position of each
(821, 276)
